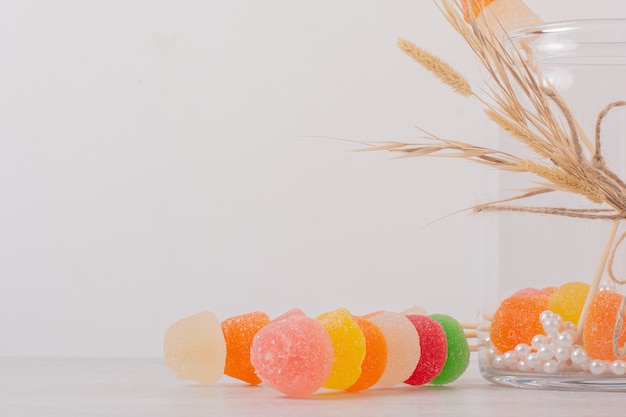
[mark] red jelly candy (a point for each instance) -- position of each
(434, 348)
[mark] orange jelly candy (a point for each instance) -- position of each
(373, 365)
(239, 331)
(599, 326)
(477, 6)
(517, 319)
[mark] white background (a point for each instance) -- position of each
(161, 158)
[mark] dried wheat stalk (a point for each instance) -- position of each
(563, 156)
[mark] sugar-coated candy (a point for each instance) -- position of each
(238, 333)
(415, 310)
(403, 347)
(375, 360)
(517, 319)
(549, 290)
(599, 326)
(568, 300)
(434, 349)
(293, 354)
(477, 6)
(195, 349)
(501, 16)
(458, 356)
(348, 346)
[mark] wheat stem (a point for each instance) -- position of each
(595, 284)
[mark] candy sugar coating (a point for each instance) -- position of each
(293, 355)
(375, 360)
(599, 326)
(348, 345)
(549, 290)
(458, 356)
(517, 319)
(238, 333)
(415, 310)
(434, 348)
(294, 312)
(195, 349)
(403, 347)
(568, 300)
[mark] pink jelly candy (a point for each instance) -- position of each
(293, 354)
(434, 347)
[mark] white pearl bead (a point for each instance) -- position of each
(578, 356)
(498, 362)
(565, 339)
(545, 352)
(523, 366)
(533, 361)
(545, 315)
(562, 353)
(522, 350)
(509, 359)
(550, 367)
(551, 326)
(597, 367)
(538, 341)
(618, 367)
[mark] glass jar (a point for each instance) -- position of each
(535, 262)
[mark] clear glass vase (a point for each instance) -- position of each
(569, 265)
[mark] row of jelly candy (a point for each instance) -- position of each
(440, 354)
(297, 355)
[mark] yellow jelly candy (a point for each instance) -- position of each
(568, 300)
(348, 345)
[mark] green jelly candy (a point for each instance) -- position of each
(458, 350)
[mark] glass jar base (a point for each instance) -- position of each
(566, 381)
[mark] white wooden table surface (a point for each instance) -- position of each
(145, 387)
